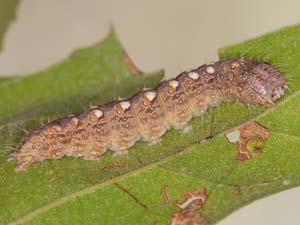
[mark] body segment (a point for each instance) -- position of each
(150, 115)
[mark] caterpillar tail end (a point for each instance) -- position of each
(23, 161)
(25, 155)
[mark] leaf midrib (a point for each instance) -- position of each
(93, 188)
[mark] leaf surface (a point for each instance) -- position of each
(7, 15)
(74, 191)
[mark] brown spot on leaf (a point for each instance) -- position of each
(131, 66)
(237, 190)
(115, 165)
(249, 138)
(193, 198)
(189, 208)
(188, 216)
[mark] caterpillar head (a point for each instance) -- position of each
(262, 84)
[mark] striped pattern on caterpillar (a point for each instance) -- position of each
(150, 113)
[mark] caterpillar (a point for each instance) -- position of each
(148, 114)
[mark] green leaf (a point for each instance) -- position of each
(74, 191)
(7, 15)
(89, 76)
(3, 78)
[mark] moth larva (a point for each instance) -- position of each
(149, 114)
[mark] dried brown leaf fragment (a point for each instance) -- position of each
(189, 213)
(249, 138)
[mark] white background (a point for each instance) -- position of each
(174, 35)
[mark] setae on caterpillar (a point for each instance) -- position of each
(149, 114)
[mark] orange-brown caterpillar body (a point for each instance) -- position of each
(149, 114)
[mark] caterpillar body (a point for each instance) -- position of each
(150, 113)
